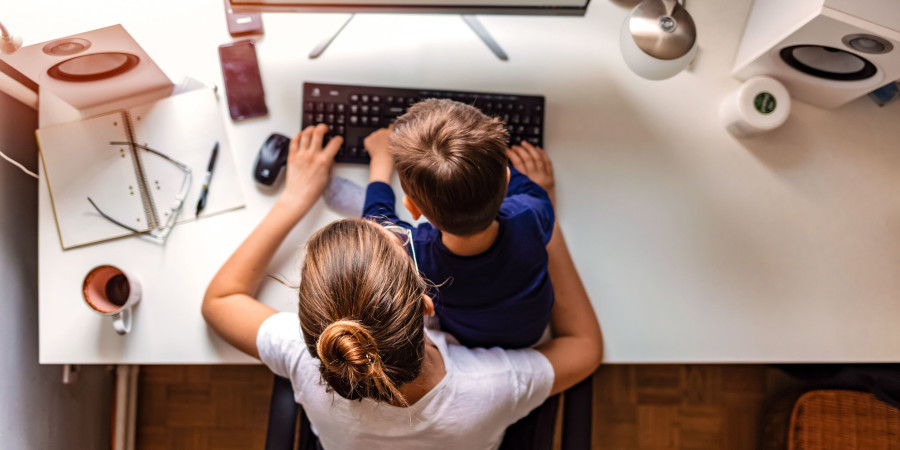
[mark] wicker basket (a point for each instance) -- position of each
(843, 420)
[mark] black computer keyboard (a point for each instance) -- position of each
(356, 111)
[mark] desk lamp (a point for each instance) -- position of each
(658, 39)
(8, 42)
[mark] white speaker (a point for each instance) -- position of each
(94, 70)
(826, 52)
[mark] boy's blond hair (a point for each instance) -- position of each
(451, 160)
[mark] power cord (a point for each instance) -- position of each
(16, 163)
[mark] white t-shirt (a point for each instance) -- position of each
(483, 392)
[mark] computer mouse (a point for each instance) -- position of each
(272, 157)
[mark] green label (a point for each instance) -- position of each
(764, 102)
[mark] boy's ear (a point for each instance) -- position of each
(429, 305)
(411, 207)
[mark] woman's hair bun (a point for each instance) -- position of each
(346, 345)
(351, 362)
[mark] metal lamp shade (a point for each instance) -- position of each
(658, 39)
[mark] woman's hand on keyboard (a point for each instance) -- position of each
(308, 167)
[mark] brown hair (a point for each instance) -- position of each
(451, 160)
(361, 310)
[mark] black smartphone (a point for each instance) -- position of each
(243, 83)
(242, 24)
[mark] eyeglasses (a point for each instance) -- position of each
(158, 231)
(405, 236)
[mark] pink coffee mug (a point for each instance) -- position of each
(110, 291)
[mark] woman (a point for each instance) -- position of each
(362, 366)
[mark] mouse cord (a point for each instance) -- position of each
(20, 166)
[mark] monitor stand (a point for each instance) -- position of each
(471, 21)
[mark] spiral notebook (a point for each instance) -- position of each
(134, 186)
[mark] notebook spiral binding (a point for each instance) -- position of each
(146, 198)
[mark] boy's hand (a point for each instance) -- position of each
(308, 167)
(378, 144)
(534, 163)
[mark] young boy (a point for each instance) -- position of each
(489, 224)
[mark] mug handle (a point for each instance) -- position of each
(122, 321)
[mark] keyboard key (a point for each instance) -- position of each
(535, 131)
(364, 120)
(374, 120)
(340, 128)
(395, 111)
(320, 107)
(526, 120)
(308, 118)
(389, 100)
(364, 109)
(329, 119)
(354, 109)
(309, 106)
(534, 141)
(376, 110)
(340, 119)
(354, 120)
(340, 108)
(354, 98)
(376, 99)
(329, 107)
(319, 118)
(364, 98)
(515, 118)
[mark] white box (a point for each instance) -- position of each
(93, 71)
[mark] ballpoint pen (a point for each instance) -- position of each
(209, 171)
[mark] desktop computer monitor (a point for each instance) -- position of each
(465, 7)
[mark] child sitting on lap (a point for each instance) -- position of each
(485, 244)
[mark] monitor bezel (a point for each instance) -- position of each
(257, 7)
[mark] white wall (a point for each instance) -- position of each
(36, 410)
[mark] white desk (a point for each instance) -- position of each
(694, 247)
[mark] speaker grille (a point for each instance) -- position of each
(67, 47)
(827, 62)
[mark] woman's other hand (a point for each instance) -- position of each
(308, 167)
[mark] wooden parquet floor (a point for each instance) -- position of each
(635, 406)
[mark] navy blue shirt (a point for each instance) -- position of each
(501, 297)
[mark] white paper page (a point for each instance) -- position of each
(185, 127)
(79, 163)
